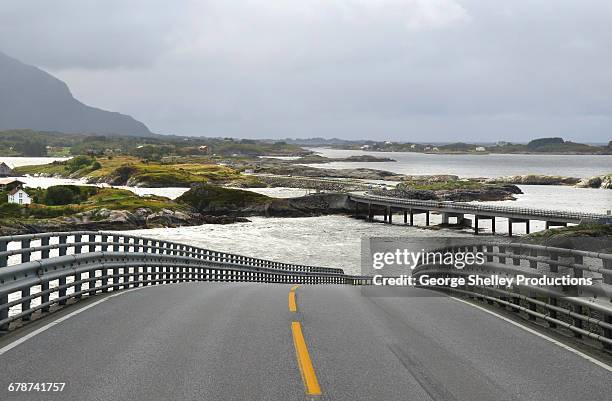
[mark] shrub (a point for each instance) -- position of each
(66, 194)
(79, 162)
(10, 210)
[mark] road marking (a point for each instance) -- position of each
(309, 376)
(537, 333)
(292, 303)
(36, 332)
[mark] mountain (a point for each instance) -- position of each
(31, 98)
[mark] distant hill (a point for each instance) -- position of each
(33, 99)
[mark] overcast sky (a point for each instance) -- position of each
(423, 70)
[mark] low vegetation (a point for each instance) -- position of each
(211, 199)
(540, 145)
(67, 200)
(155, 147)
(448, 185)
(130, 170)
(580, 230)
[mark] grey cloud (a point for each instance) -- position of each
(402, 69)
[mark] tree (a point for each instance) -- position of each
(31, 148)
(59, 195)
(544, 142)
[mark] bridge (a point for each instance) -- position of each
(387, 206)
(123, 317)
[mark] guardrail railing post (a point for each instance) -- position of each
(45, 296)
(77, 276)
(44, 254)
(554, 268)
(3, 259)
(533, 263)
(104, 241)
(607, 277)
(4, 313)
(502, 250)
(607, 333)
(25, 304)
(92, 246)
(516, 261)
(62, 244)
(578, 260)
(25, 256)
(77, 240)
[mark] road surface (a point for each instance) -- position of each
(221, 341)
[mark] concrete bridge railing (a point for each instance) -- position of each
(584, 310)
(66, 266)
(479, 211)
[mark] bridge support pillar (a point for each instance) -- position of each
(445, 218)
(411, 218)
(427, 218)
(390, 213)
(405, 216)
(385, 215)
(370, 212)
(476, 225)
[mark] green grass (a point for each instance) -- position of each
(442, 185)
(154, 174)
(581, 230)
(209, 198)
(104, 198)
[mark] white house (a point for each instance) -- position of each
(480, 149)
(19, 196)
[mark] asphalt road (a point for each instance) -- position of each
(210, 341)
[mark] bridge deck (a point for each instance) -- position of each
(479, 209)
(217, 341)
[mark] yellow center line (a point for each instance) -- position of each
(309, 376)
(292, 303)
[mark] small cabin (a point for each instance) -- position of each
(5, 170)
(19, 196)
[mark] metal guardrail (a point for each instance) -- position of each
(58, 270)
(471, 208)
(585, 310)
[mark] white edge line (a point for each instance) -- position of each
(36, 332)
(537, 333)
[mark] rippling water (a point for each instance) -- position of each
(332, 241)
(469, 165)
(335, 240)
(29, 161)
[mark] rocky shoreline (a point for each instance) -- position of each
(602, 181)
(483, 194)
(105, 219)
